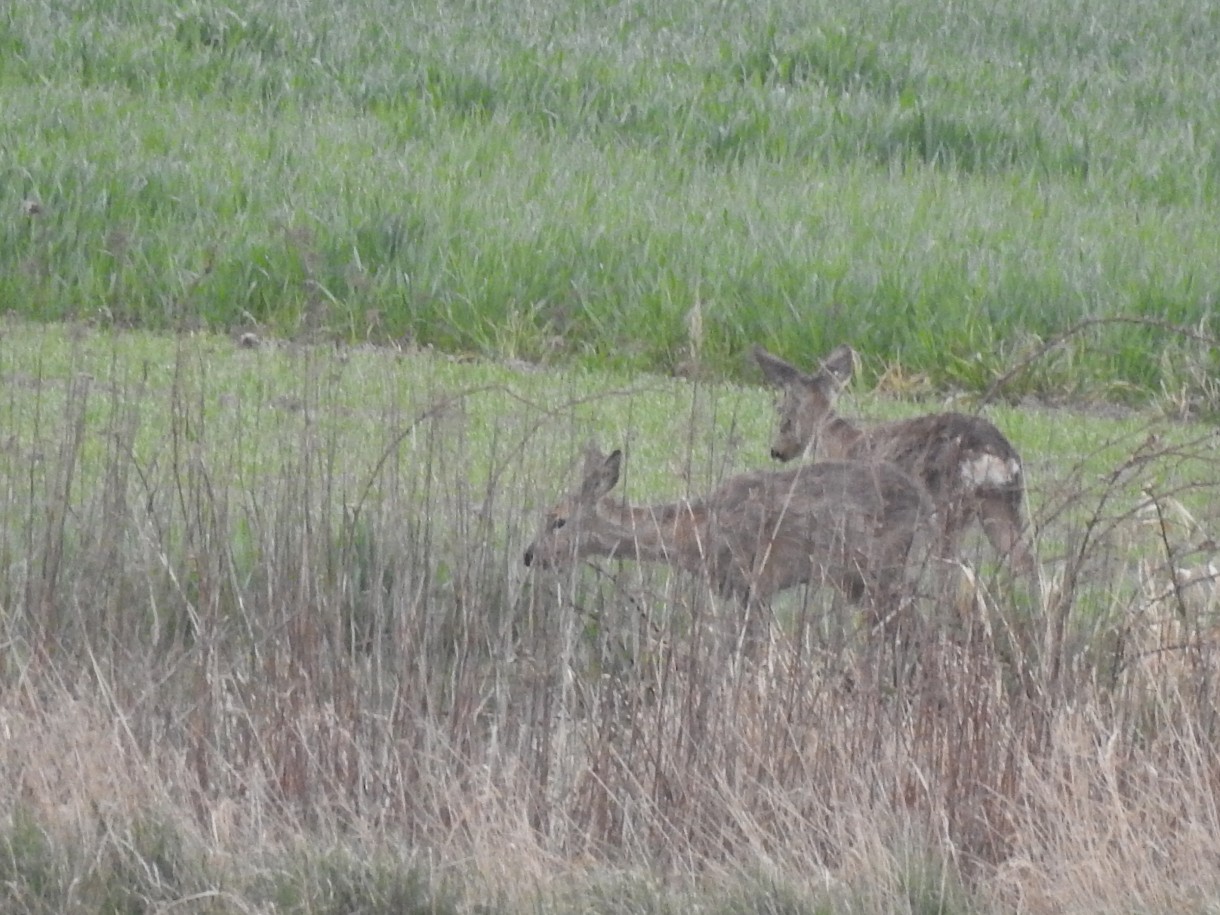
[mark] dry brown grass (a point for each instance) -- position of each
(234, 683)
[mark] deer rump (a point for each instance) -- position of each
(948, 452)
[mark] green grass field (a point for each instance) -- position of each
(267, 641)
(944, 186)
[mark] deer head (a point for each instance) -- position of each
(807, 400)
(570, 529)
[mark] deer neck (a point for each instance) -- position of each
(673, 533)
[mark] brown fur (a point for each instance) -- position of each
(970, 470)
(848, 524)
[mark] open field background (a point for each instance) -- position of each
(945, 185)
(266, 639)
(268, 644)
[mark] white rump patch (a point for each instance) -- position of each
(988, 470)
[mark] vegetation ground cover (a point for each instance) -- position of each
(266, 639)
(269, 643)
(943, 185)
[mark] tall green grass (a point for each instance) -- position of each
(943, 185)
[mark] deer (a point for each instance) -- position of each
(847, 524)
(969, 470)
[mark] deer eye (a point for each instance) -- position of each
(557, 523)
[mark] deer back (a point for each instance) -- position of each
(849, 524)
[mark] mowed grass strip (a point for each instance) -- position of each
(944, 186)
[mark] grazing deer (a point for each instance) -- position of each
(968, 467)
(851, 525)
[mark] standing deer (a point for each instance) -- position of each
(848, 524)
(969, 469)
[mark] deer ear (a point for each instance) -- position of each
(594, 458)
(776, 370)
(840, 363)
(600, 479)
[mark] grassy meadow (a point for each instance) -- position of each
(267, 642)
(946, 186)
